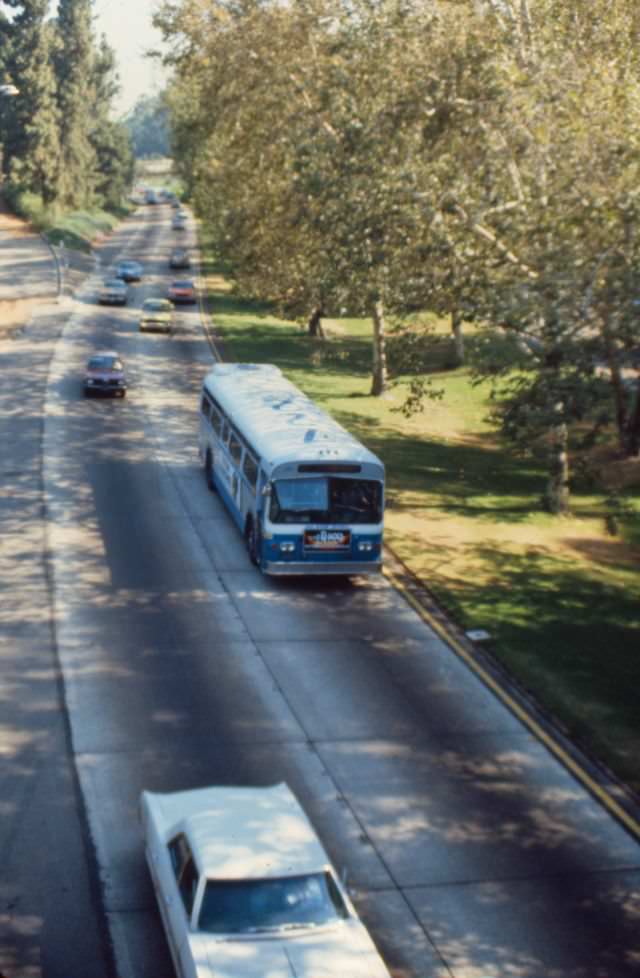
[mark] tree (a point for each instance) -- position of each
(556, 203)
(31, 138)
(489, 169)
(110, 140)
(74, 64)
(314, 215)
(147, 126)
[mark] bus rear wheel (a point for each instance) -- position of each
(252, 539)
(208, 471)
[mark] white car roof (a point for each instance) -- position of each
(241, 833)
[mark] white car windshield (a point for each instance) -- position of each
(254, 906)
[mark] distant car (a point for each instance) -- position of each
(179, 258)
(151, 196)
(104, 374)
(156, 316)
(113, 292)
(179, 221)
(129, 271)
(182, 291)
(246, 890)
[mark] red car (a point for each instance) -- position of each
(105, 375)
(183, 291)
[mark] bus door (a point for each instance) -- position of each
(224, 464)
(235, 447)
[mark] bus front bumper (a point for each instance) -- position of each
(291, 567)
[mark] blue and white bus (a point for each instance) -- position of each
(306, 495)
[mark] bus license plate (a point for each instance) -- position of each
(327, 539)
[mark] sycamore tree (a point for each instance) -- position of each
(304, 149)
(241, 100)
(555, 205)
(471, 157)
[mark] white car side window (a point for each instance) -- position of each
(185, 871)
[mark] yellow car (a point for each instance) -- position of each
(156, 316)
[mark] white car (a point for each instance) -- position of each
(113, 292)
(246, 890)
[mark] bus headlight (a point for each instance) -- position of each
(365, 546)
(287, 548)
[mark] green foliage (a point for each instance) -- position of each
(395, 155)
(31, 151)
(58, 141)
(148, 128)
(76, 99)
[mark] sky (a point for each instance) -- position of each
(127, 26)
(128, 29)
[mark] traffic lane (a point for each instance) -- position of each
(393, 687)
(48, 898)
(584, 930)
(88, 607)
(27, 269)
(113, 788)
(526, 818)
(335, 682)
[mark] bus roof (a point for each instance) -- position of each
(280, 422)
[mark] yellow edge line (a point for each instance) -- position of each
(603, 796)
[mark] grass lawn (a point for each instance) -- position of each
(560, 595)
(74, 229)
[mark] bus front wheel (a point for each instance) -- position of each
(252, 537)
(208, 470)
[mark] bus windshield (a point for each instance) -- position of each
(326, 500)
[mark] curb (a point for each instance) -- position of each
(615, 796)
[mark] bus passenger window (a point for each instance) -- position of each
(216, 421)
(205, 407)
(235, 448)
(225, 432)
(250, 469)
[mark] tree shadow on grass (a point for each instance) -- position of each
(285, 344)
(469, 479)
(567, 632)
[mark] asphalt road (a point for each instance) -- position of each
(469, 850)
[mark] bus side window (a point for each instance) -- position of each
(225, 432)
(216, 421)
(235, 448)
(205, 407)
(250, 469)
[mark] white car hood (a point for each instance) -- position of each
(345, 951)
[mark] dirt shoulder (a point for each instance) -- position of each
(16, 313)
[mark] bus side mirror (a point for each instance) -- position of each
(266, 489)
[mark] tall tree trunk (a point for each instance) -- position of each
(314, 323)
(557, 494)
(458, 336)
(379, 376)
